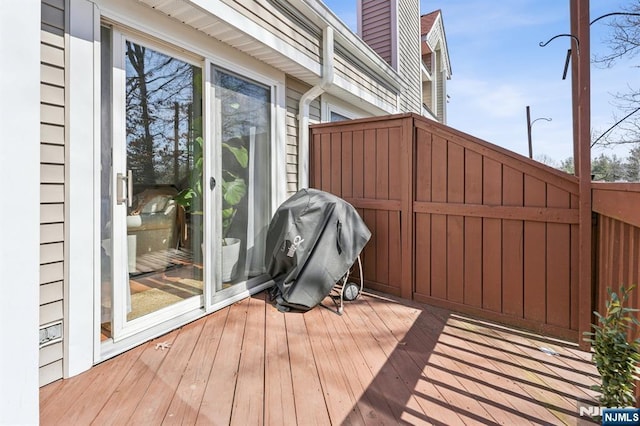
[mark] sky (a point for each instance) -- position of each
(498, 69)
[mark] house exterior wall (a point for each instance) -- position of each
(354, 75)
(377, 28)
(409, 55)
(68, 124)
(280, 19)
(52, 180)
(427, 97)
(19, 211)
(442, 96)
(392, 29)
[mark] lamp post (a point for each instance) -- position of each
(529, 125)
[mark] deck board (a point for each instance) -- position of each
(186, 401)
(248, 401)
(384, 361)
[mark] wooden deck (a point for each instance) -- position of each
(385, 361)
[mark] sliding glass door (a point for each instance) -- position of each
(185, 190)
(152, 227)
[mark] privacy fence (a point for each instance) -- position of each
(466, 225)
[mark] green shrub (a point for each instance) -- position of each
(615, 356)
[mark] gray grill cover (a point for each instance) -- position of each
(313, 240)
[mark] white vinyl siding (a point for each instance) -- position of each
(52, 180)
(357, 76)
(278, 20)
(410, 55)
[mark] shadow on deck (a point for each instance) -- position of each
(385, 361)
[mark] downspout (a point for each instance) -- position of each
(305, 101)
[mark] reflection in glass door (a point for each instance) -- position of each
(242, 123)
(152, 240)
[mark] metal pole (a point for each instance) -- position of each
(529, 131)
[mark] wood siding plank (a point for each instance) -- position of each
(492, 238)
(51, 292)
(455, 224)
(382, 247)
(336, 164)
(382, 164)
(473, 230)
(423, 166)
(535, 244)
(558, 263)
(439, 170)
(325, 158)
(51, 272)
(423, 254)
(358, 164)
(439, 256)
(346, 184)
(369, 163)
(512, 243)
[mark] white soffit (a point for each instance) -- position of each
(222, 22)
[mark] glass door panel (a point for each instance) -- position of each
(164, 165)
(243, 114)
(152, 172)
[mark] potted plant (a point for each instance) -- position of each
(234, 189)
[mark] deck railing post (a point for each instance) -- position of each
(581, 103)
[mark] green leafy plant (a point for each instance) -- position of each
(234, 188)
(191, 197)
(615, 356)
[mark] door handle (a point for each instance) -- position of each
(123, 197)
(129, 188)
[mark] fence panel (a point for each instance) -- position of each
(495, 232)
(457, 222)
(362, 162)
(617, 244)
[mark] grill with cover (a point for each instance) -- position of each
(313, 240)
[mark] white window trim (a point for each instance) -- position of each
(330, 104)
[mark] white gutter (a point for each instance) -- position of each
(305, 101)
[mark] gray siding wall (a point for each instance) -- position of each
(377, 28)
(278, 18)
(52, 153)
(294, 91)
(426, 95)
(410, 55)
(348, 67)
(440, 89)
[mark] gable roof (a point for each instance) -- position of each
(433, 34)
(427, 21)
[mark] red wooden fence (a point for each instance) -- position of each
(617, 245)
(457, 222)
